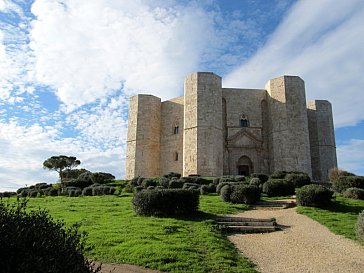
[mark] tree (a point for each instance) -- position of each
(61, 164)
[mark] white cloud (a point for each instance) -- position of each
(86, 50)
(323, 43)
(351, 156)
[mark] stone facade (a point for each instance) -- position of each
(214, 131)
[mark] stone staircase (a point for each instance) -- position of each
(254, 225)
(247, 225)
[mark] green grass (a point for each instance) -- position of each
(340, 218)
(189, 244)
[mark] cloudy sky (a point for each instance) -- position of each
(68, 67)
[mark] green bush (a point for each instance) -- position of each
(222, 184)
(314, 196)
(175, 184)
(138, 189)
(172, 174)
(359, 228)
(298, 180)
(189, 185)
(278, 175)
(354, 193)
(166, 202)
(87, 191)
(149, 182)
(102, 178)
(278, 187)
(129, 188)
(33, 193)
(344, 182)
(53, 192)
(239, 178)
(262, 177)
(255, 181)
(163, 182)
(205, 189)
(216, 181)
(32, 242)
(245, 194)
(225, 192)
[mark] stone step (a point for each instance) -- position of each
(252, 229)
(243, 219)
(272, 223)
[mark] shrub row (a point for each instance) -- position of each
(278, 187)
(161, 202)
(342, 183)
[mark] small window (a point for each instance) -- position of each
(175, 156)
(244, 122)
(176, 130)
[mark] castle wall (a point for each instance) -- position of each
(143, 142)
(203, 135)
(288, 133)
(246, 141)
(322, 139)
(171, 159)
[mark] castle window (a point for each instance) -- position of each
(176, 129)
(175, 156)
(244, 122)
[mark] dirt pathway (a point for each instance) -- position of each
(125, 268)
(303, 246)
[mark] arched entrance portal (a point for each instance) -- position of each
(244, 166)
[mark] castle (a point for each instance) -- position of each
(215, 131)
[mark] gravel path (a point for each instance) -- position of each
(125, 268)
(303, 246)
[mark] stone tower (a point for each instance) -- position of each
(203, 135)
(143, 142)
(322, 138)
(289, 145)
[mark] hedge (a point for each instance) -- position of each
(166, 202)
(314, 196)
(344, 182)
(354, 193)
(359, 228)
(245, 194)
(298, 179)
(278, 187)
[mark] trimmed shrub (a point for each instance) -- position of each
(83, 180)
(134, 181)
(244, 194)
(166, 202)
(278, 175)
(148, 182)
(278, 187)
(7, 194)
(151, 188)
(298, 180)
(222, 184)
(255, 181)
(344, 182)
(175, 184)
(172, 174)
(24, 193)
(314, 196)
(226, 191)
(138, 189)
(189, 185)
(129, 188)
(216, 181)
(354, 193)
(53, 192)
(359, 228)
(205, 189)
(163, 182)
(239, 178)
(102, 178)
(33, 193)
(40, 244)
(98, 191)
(87, 191)
(262, 177)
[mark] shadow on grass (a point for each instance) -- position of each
(339, 206)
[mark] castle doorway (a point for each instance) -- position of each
(244, 166)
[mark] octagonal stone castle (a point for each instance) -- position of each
(215, 131)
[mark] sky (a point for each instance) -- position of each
(68, 68)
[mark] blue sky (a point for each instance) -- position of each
(68, 67)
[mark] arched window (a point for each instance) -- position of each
(176, 156)
(244, 122)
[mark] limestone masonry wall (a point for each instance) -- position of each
(214, 131)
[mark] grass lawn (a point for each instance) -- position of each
(116, 234)
(340, 218)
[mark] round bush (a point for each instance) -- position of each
(87, 191)
(245, 194)
(298, 179)
(175, 184)
(278, 187)
(314, 196)
(359, 228)
(255, 181)
(33, 193)
(163, 182)
(354, 193)
(148, 182)
(138, 189)
(53, 192)
(262, 177)
(166, 202)
(205, 189)
(129, 188)
(344, 182)
(278, 175)
(239, 178)
(225, 193)
(39, 244)
(190, 185)
(222, 184)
